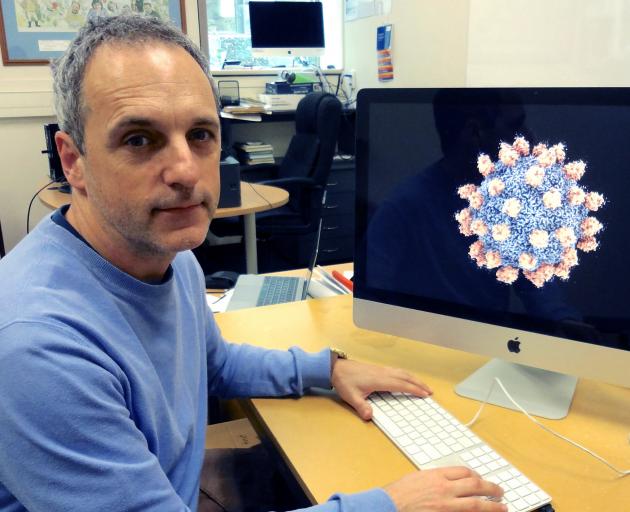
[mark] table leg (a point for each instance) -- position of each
(251, 257)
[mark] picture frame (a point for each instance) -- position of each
(32, 32)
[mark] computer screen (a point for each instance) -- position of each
(287, 28)
(495, 221)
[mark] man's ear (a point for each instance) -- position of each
(72, 161)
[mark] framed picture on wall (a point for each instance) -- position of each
(36, 31)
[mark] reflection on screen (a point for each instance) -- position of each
(503, 206)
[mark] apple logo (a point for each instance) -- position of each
(514, 345)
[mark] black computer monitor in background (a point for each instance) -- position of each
(287, 28)
(496, 221)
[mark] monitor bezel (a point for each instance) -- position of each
(304, 49)
(454, 326)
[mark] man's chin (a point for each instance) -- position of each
(185, 241)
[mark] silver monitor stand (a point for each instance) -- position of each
(540, 392)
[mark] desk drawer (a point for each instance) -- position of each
(336, 249)
(340, 181)
(338, 203)
(337, 225)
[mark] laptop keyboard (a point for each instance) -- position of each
(276, 290)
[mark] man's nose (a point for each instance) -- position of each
(180, 165)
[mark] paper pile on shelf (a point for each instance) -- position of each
(280, 102)
(252, 153)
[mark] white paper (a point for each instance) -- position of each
(53, 45)
(218, 303)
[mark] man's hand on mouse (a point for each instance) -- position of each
(453, 489)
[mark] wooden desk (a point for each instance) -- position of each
(330, 449)
(254, 198)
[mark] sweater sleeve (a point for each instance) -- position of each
(67, 441)
(241, 370)
(375, 500)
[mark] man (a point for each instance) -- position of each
(107, 349)
(148, 10)
(74, 18)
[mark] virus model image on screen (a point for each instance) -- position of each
(529, 213)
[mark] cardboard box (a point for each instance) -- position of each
(231, 434)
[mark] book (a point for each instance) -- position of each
(269, 160)
(247, 148)
(254, 152)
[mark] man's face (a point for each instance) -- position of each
(152, 147)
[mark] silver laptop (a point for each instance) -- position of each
(253, 290)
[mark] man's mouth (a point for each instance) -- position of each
(182, 207)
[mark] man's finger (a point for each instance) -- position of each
(411, 379)
(456, 472)
(475, 486)
(396, 385)
(479, 504)
(361, 405)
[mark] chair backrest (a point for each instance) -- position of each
(311, 150)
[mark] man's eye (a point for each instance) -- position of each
(200, 135)
(137, 141)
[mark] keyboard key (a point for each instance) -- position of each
(421, 458)
(404, 441)
(531, 499)
(388, 425)
(432, 452)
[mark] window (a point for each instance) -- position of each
(229, 37)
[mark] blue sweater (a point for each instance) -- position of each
(104, 382)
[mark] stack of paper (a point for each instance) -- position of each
(245, 107)
(252, 153)
(280, 102)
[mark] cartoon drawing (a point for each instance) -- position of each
(70, 15)
(32, 12)
(529, 213)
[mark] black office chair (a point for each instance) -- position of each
(303, 172)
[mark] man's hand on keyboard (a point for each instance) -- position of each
(454, 489)
(354, 381)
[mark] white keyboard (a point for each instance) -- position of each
(431, 437)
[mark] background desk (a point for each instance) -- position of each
(330, 449)
(254, 198)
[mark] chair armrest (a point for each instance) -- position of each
(290, 182)
(259, 172)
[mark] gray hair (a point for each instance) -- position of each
(69, 70)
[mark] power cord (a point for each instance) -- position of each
(28, 212)
(621, 472)
(259, 194)
(323, 80)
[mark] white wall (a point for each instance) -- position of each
(552, 43)
(429, 44)
(445, 43)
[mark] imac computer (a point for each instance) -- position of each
(287, 28)
(497, 221)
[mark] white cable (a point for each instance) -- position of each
(496, 380)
